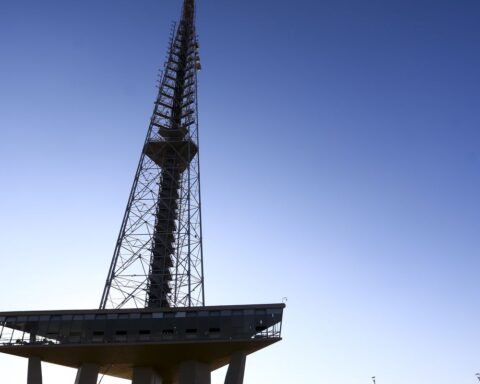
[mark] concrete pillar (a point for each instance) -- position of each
(193, 372)
(145, 375)
(87, 374)
(34, 374)
(236, 368)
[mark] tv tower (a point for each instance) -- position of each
(152, 326)
(157, 260)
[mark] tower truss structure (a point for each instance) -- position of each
(158, 261)
(152, 325)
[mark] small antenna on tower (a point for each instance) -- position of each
(478, 376)
(373, 379)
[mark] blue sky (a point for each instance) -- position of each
(340, 169)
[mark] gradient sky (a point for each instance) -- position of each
(340, 151)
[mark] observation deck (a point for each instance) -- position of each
(163, 152)
(117, 340)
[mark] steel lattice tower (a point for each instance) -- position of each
(152, 325)
(157, 260)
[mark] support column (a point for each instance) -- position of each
(87, 374)
(145, 375)
(236, 368)
(34, 374)
(193, 372)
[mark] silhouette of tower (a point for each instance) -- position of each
(152, 325)
(157, 260)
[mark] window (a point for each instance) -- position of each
(214, 333)
(97, 336)
(191, 333)
(121, 335)
(274, 311)
(144, 334)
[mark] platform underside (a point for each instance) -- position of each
(118, 360)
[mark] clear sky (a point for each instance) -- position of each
(340, 151)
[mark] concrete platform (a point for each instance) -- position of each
(117, 341)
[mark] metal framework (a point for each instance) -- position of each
(158, 259)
